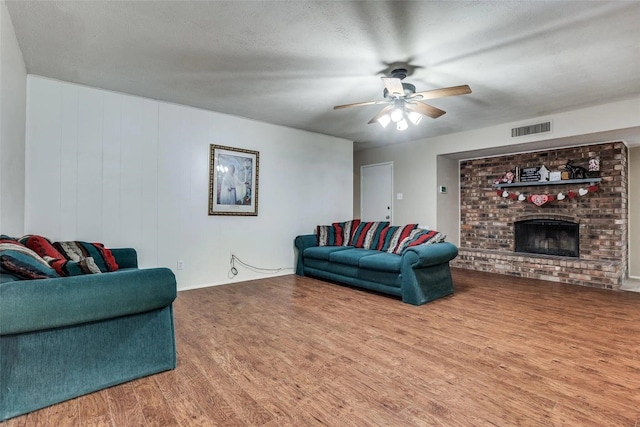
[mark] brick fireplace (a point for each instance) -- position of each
(488, 220)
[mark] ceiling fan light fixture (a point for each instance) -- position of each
(415, 117)
(384, 120)
(404, 104)
(397, 114)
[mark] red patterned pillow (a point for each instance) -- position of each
(43, 247)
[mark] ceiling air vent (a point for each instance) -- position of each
(531, 129)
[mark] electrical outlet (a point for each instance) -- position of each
(180, 264)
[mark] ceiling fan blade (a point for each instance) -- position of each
(441, 93)
(393, 85)
(382, 112)
(424, 109)
(358, 104)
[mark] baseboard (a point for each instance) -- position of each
(209, 285)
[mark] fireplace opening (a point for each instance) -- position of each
(548, 237)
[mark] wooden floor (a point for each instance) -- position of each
(292, 351)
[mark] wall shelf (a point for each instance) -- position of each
(589, 181)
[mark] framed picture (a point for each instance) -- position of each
(233, 181)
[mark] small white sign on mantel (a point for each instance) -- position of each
(555, 176)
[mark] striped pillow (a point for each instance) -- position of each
(367, 234)
(77, 251)
(17, 259)
(420, 237)
(326, 235)
(395, 236)
(344, 231)
(59, 261)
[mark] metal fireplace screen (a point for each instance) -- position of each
(548, 237)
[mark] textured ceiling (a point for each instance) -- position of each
(290, 62)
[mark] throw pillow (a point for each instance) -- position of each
(420, 237)
(25, 264)
(326, 235)
(367, 234)
(43, 247)
(77, 268)
(14, 245)
(77, 251)
(344, 231)
(393, 239)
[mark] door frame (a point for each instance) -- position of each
(362, 187)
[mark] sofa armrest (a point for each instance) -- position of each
(303, 242)
(125, 257)
(427, 255)
(32, 305)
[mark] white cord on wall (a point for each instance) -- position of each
(233, 271)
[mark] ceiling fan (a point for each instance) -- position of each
(404, 102)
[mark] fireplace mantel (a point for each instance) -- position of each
(590, 181)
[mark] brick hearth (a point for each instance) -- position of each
(487, 219)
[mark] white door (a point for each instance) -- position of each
(376, 192)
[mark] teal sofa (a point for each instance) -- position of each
(64, 337)
(419, 275)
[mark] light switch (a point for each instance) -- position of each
(399, 196)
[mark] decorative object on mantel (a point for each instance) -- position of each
(555, 176)
(505, 179)
(530, 174)
(544, 173)
(575, 172)
(541, 199)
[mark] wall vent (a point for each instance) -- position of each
(531, 129)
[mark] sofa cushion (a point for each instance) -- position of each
(381, 281)
(381, 261)
(322, 252)
(351, 256)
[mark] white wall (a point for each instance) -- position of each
(634, 212)
(13, 93)
(415, 163)
(129, 171)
